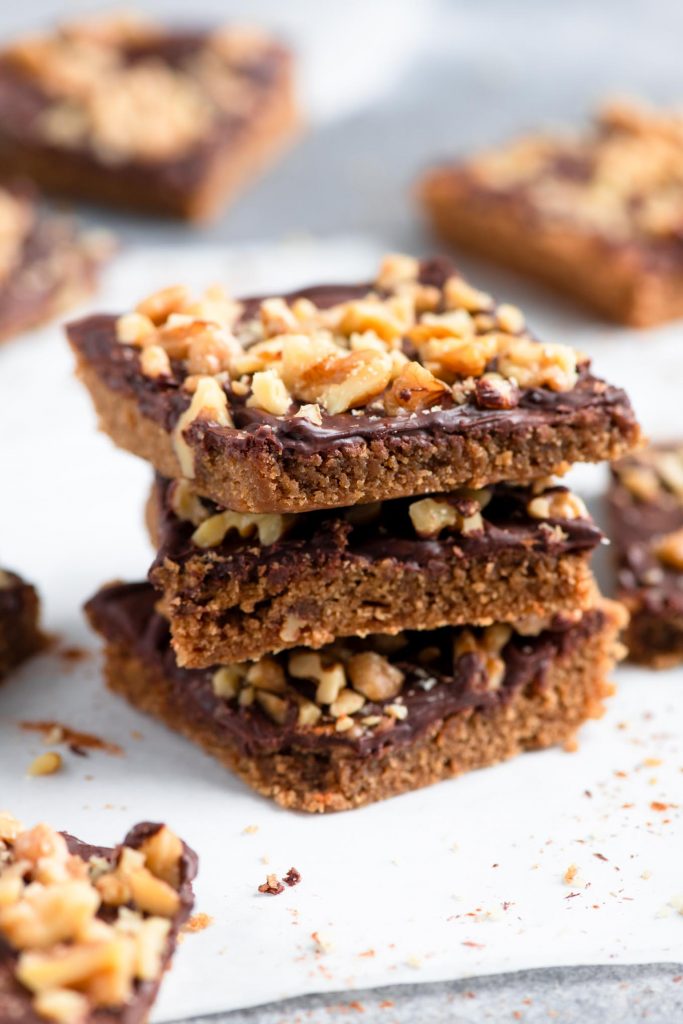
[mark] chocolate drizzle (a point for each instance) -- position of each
(124, 614)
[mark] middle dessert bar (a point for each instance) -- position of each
(413, 383)
(366, 719)
(235, 586)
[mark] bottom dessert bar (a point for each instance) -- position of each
(362, 720)
(646, 512)
(87, 932)
(20, 635)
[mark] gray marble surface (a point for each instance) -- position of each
(475, 72)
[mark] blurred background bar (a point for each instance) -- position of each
(391, 84)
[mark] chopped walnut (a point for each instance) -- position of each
(459, 294)
(209, 402)
(345, 382)
(642, 481)
(266, 674)
(347, 702)
(559, 504)
(669, 549)
(154, 361)
(414, 389)
(269, 393)
(272, 885)
(430, 516)
(536, 365)
(493, 391)
(46, 764)
(268, 526)
(374, 676)
(227, 680)
(397, 269)
(488, 646)
(186, 503)
(331, 679)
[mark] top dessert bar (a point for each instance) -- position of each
(646, 511)
(46, 264)
(124, 111)
(599, 215)
(413, 383)
(87, 932)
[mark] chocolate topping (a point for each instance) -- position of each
(339, 534)
(445, 685)
(164, 400)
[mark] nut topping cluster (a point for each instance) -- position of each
(340, 689)
(107, 90)
(85, 932)
(624, 180)
(655, 474)
(404, 348)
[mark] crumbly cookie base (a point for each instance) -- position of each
(617, 285)
(541, 715)
(232, 168)
(244, 622)
(260, 477)
(20, 635)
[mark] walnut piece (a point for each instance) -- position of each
(268, 526)
(209, 402)
(430, 516)
(374, 676)
(557, 504)
(669, 549)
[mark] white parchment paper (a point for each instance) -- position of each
(462, 879)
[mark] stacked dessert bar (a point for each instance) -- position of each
(367, 577)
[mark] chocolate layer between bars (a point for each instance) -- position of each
(356, 571)
(16, 1001)
(287, 463)
(20, 634)
(453, 717)
(645, 503)
(597, 215)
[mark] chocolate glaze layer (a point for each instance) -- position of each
(15, 1000)
(22, 102)
(124, 614)
(332, 535)
(635, 524)
(163, 401)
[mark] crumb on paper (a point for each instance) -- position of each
(57, 732)
(292, 878)
(197, 923)
(45, 764)
(250, 830)
(272, 885)
(645, 875)
(570, 874)
(73, 654)
(414, 961)
(322, 943)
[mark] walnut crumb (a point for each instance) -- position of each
(272, 885)
(45, 764)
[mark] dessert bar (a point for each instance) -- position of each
(87, 932)
(413, 383)
(362, 720)
(125, 111)
(646, 513)
(235, 586)
(20, 634)
(46, 265)
(598, 215)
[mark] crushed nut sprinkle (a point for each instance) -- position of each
(73, 957)
(403, 349)
(148, 109)
(622, 180)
